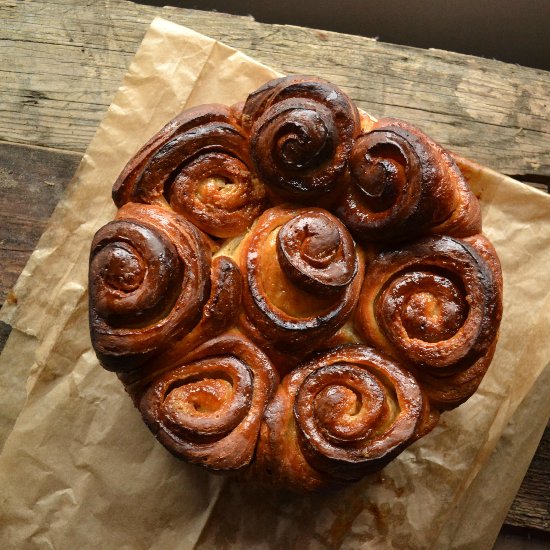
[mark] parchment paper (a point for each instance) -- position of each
(79, 469)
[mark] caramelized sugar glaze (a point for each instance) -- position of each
(292, 289)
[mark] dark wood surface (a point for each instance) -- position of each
(62, 62)
(532, 504)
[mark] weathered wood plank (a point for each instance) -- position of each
(65, 60)
(532, 503)
(32, 181)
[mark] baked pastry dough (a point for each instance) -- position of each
(292, 289)
(343, 414)
(200, 165)
(303, 277)
(208, 410)
(403, 185)
(435, 304)
(301, 134)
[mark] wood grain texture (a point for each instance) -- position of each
(532, 504)
(62, 62)
(32, 181)
(66, 59)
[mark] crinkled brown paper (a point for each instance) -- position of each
(79, 469)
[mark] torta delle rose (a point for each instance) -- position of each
(292, 289)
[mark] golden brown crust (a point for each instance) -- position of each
(302, 277)
(301, 133)
(226, 269)
(341, 415)
(148, 280)
(208, 410)
(402, 185)
(200, 164)
(435, 304)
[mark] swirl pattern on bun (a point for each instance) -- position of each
(403, 185)
(301, 135)
(436, 304)
(291, 237)
(302, 279)
(148, 280)
(209, 409)
(199, 163)
(343, 414)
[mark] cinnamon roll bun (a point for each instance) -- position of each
(208, 410)
(200, 164)
(302, 276)
(402, 185)
(435, 304)
(301, 134)
(148, 281)
(339, 416)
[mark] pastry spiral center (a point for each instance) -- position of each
(379, 172)
(348, 404)
(222, 182)
(320, 244)
(199, 398)
(303, 141)
(135, 283)
(317, 252)
(340, 411)
(123, 269)
(209, 397)
(432, 307)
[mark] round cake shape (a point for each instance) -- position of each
(291, 289)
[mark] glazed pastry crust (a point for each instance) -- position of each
(292, 289)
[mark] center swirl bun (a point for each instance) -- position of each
(316, 252)
(302, 279)
(292, 289)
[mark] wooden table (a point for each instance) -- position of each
(62, 61)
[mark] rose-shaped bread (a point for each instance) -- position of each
(200, 164)
(403, 184)
(302, 277)
(342, 415)
(208, 410)
(293, 236)
(301, 135)
(436, 305)
(148, 280)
